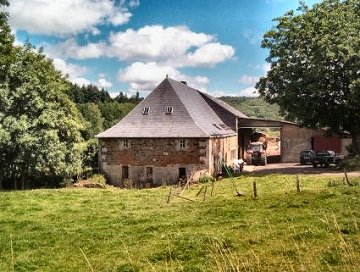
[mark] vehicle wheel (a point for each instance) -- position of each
(314, 165)
(326, 164)
(302, 163)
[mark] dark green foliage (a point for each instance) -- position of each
(113, 112)
(254, 107)
(39, 125)
(88, 93)
(94, 122)
(315, 64)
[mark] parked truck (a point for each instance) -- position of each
(325, 158)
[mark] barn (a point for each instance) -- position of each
(178, 132)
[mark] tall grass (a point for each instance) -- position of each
(137, 230)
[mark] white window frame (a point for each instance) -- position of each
(169, 109)
(125, 143)
(182, 143)
(146, 110)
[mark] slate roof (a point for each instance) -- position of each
(192, 117)
(224, 105)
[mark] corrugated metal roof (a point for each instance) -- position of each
(192, 117)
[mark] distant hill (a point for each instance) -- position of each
(255, 107)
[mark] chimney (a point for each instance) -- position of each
(183, 82)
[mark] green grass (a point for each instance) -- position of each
(137, 230)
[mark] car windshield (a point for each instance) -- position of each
(306, 153)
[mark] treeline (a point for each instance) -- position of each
(254, 107)
(99, 110)
(47, 124)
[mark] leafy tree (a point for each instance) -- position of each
(113, 112)
(315, 66)
(94, 121)
(39, 125)
(6, 42)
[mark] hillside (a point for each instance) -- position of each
(254, 107)
(137, 230)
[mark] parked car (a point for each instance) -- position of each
(306, 155)
(325, 158)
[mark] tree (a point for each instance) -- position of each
(6, 41)
(113, 112)
(39, 125)
(315, 66)
(93, 118)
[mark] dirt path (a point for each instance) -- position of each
(295, 168)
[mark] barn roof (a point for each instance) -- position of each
(223, 105)
(190, 117)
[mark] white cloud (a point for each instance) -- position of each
(75, 72)
(72, 70)
(134, 3)
(66, 16)
(210, 54)
(80, 81)
(172, 46)
(70, 49)
(249, 91)
(266, 67)
(103, 83)
(249, 80)
(155, 43)
(146, 76)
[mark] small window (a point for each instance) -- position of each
(125, 143)
(146, 110)
(182, 144)
(169, 110)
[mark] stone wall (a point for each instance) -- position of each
(226, 148)
(294, 139)
(150, 162)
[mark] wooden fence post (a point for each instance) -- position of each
(346, 178)
(297, 184)
(254, 189)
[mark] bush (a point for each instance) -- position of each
(351, 163)
(206, 179)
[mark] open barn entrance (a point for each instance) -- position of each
(264, 133)
(269, 137)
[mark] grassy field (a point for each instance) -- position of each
(137, 230)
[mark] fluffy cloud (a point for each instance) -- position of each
(250, 91)
(248, 80)
(171, 46)
(146, 76)
(210, 54)
(155, 42)
(75, 72)
(70, 49)
(66, 16)
(103, 83)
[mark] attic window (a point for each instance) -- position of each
(146, 110)
(223, 126)
(215, 125)
(169, 110)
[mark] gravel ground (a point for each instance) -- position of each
(295, 168)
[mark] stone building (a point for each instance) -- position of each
(177, 132)
(172, 134)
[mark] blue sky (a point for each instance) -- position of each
(130, 45)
